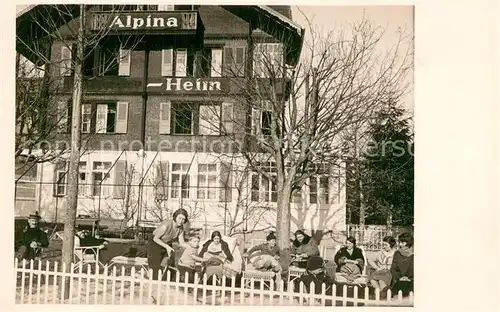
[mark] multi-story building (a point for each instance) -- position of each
(164, 103)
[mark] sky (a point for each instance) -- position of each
(391, 18)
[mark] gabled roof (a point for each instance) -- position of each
(32, 22)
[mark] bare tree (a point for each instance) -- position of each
(299, 117)
(78, 45)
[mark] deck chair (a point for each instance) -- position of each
(84, 255)
(363, 279)
(263, 276)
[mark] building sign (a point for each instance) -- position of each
(126, 21)
(189, 85)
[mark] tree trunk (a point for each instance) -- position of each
(283, 221)
(72, 198)
(317, 235)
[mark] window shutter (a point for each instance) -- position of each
(101, 118)
(216, 63)
(240, 61)
(167, 60)
(209, 120)
(66, 57)
(181, 63)
(124, 62)
(62, 117)
(227, 117)
(255, 121)
(225, 182)
(228, 62)
(165, 118)
(119, 184)
(162, 173)
(121, 117)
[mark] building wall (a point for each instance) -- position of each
(205, 212)
(221, 28)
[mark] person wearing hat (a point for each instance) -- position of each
(315, 274)
(34, 239)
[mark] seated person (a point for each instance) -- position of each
(87, 240)
(34, 239)
(188, 259)
(350, 262)
(216, 252)
(380, 275)
(402, 266)
(315, 274)
(303, 247)
(265, 256)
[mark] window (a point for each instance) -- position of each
(100, 179)
(262, 119)
(86, 117)
(180, 180)
(105, 118)
(106, 61)
(207, 181)
(182, 117)
(264, 189)
(183, 59)
(268, 60)
(265, 122)
(318, 190)
(61, 177)
(82, 178)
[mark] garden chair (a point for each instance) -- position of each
(263, 276)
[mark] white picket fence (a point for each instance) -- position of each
(43, 283)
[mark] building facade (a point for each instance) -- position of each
(165, 116)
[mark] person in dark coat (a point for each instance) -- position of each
(315, 274)
(350, 262)
(216, 252)
(215, 246)
(402, 265)
(34, 239)
(303, 247)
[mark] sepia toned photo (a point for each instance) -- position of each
(257, 155)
